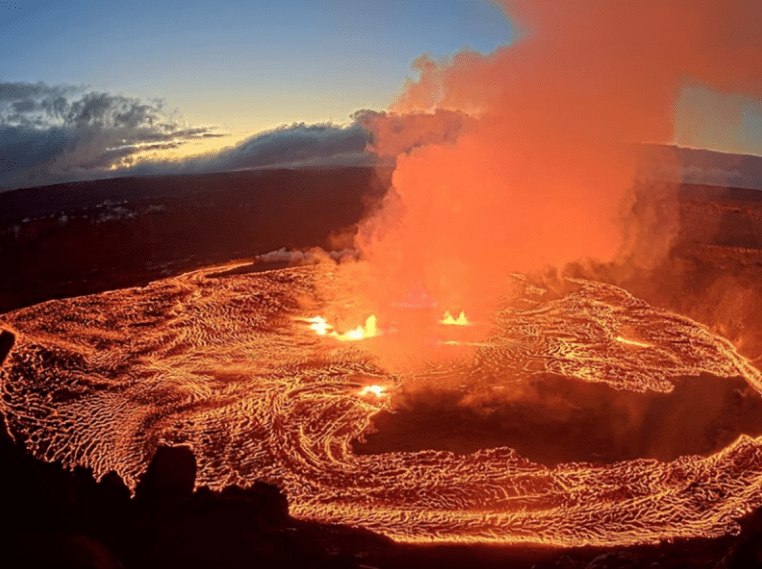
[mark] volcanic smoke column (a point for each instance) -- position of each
(527, 155)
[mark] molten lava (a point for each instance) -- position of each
(321, 326)
(361, 332)
(377, 390)
(226, 366)
(632, 342)
(448, 319)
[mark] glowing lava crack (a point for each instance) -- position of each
(230, 366)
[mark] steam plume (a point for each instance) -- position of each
(539, 174)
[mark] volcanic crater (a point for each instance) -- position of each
(643, 424)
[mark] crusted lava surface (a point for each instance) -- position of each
(226, 365)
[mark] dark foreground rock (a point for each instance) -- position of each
(7, 339)
(55, 518)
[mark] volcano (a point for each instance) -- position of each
(578, 413)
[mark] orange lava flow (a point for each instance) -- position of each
(229, 366)
(632, 342)
(321, 327)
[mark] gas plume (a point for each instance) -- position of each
(541, 172)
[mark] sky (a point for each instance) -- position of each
(93, 89)
(245, 65)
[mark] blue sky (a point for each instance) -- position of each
(247, 65)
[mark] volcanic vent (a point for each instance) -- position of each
(231, 365)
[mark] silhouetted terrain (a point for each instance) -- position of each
(72, 239)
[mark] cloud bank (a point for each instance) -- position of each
(561, 77)
(298, 145)
(51, 134)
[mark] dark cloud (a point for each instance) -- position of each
(317, 145)
(19, 91)
(299, 142)
(297, 145)
(51, 134)
(33, 103)
(21, 146)
(24, 106)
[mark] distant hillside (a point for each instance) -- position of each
(52, 200)
(702, 167)
(71, 239)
